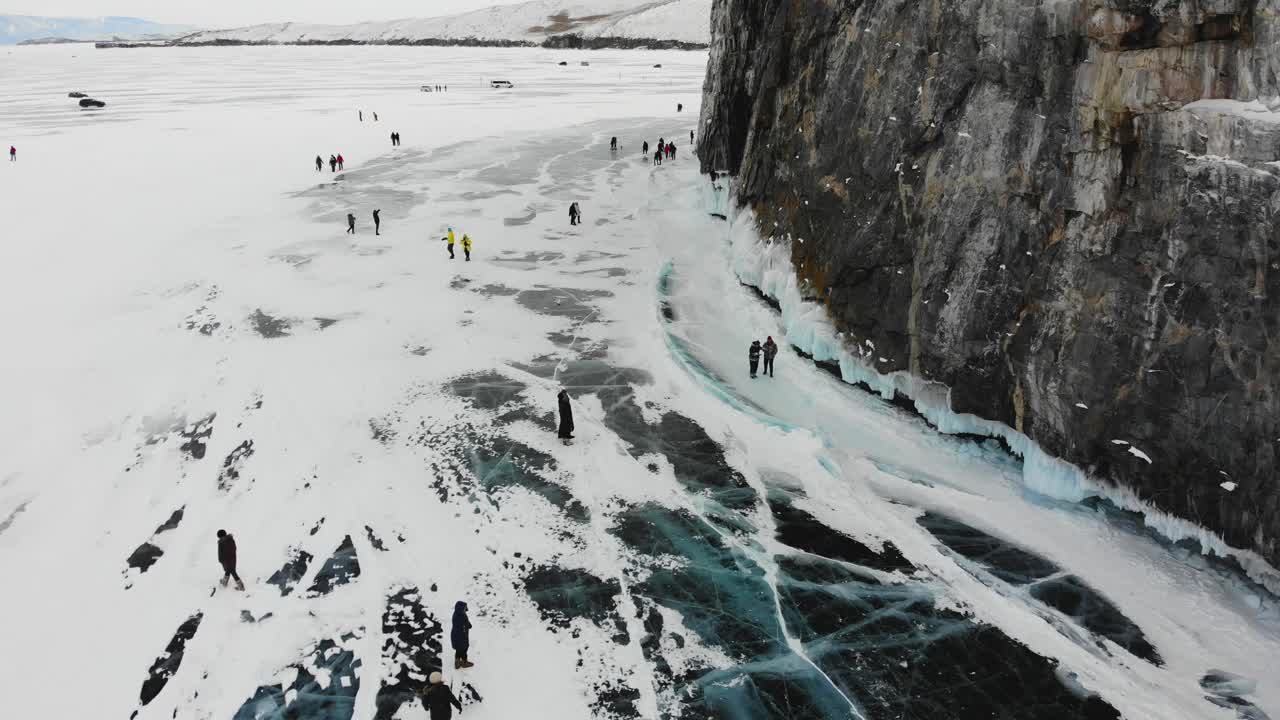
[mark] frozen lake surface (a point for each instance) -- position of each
(193, 342)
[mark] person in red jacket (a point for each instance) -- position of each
(13, 153)
(339, 161)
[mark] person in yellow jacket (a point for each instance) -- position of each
(449, 239)
(466, 246)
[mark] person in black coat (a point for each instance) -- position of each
(227, 558)
(351, 224)
(377, 222)
(460, 636)
(439, 700)
(770, 351)
(753, 355)
(566, 416)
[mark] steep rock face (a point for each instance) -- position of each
(1064, 210)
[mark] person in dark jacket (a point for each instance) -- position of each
(613, 144)
(644, 149)
(460, 636)
(227, 558)
(575, 214)
(671, 150)
(377, 221)
(690, 137)
(657, 156)
(753, 355)
(351, 224)
(439, 700)
(679, 107)
(319, 164)
(566, 416)
(770, 350)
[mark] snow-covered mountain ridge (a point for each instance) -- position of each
(536, 22)
(21, 28)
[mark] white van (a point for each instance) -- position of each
(501, 84)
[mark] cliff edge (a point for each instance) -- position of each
(1065, 211)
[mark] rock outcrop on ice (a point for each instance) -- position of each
(586, 23)
(1064, 211)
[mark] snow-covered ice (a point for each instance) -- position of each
(194, 344)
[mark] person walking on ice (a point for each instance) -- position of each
(351, 224)
(466, 246)
(333, 163)
(340, 161)
(439, 700)
(319, 164)
(361, 115)
(13, 154)
(575, 214)
(460, 636)
(644, 149)
(377, 221)
(753, 355)
(613, 145)
(770, 351)
(449, 239)
(657, 157)
(227, 558)
(565, 432)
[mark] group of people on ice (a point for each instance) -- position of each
(438, 698)
(336, 163)
(377, 222)
(769, 350)
(450, 239)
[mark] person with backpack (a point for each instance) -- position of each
(753, 355)
(460, 636)
(770, 351)
(439, 700)
(227, 558)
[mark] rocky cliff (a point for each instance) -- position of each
(1064, 210)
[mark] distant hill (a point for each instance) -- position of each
(15, 29)
(594, 22)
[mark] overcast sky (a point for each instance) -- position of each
(228, 13)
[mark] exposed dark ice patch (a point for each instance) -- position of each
(202, 320)
(459, 282)
(196, 436)
(144, 557)
(341, 568)
(148, 553)
(322, 323)
(313, 699)
(560, 302)
(288, 576)
(1002, 559)
(800, 530)
(374, 540)
(411, 651)
(168, 663)
(501, 463)
(1071, 596)
(233, 464)
(889, 648)
(496, 290)
(8, 521)
(1227, 690)
(566, 594)
(268, 326)
(591, 255)
(419, 350)
(1066, 593)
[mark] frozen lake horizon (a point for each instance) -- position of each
(195, 342)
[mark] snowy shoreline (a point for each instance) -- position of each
(559, 42)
